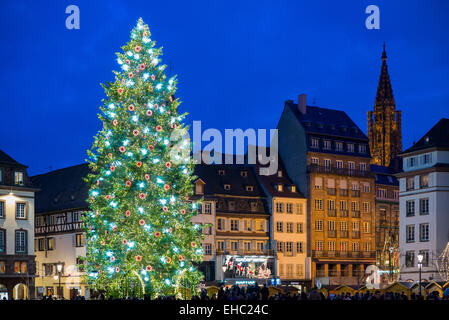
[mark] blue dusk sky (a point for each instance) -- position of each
(237, 62)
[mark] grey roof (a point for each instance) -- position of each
(438, 136)
(329, 122)
(6, 159)
(62, 189)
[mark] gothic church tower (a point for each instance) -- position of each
(384, 123)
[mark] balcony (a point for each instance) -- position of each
(355, 193)
(344, 234)
(331, 212)
(344, 213)
(331, 191)
(356, 214)
(331, 233)
(60, 227)
(343, 254)
(344, 192)
(355, 235)
(338, 171)
(244, 252)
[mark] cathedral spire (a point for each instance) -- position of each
(384, 122)
(384, 94)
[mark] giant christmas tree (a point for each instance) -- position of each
(140, 236)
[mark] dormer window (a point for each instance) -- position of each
(227, 187)
(244, 173)
(279, 173)
(339, 146)
(327, 144)
(249, 188)
(315, 143)
(18, 178)
(280, 187)
(199, 187)
(293, 188)
(221, 172)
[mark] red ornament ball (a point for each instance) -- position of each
(149, 268)
(112, 168)
(157, 234)
(128, 183)
(139, 164)
(131, 107)
(138, 258)
(115, 122)
(168, 164)
(147, 177)
(183, 211)
(142, 66)
(151, 147)
(120, 91)
(142, 196)
(137, 48)
(149, 113)
(141, 222)
(165, 208)
(136, 132)
(166, 187)
(128, 213)
(130, 75)
(122, 149)
(158, 128)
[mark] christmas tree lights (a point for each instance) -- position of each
(140, 236)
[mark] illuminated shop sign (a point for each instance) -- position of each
(257, 267)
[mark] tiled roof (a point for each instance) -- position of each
(331, 122)
(62, 189)
(438, 136)
(6, 159)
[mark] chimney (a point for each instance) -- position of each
(302, 103)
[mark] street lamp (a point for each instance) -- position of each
(420, 259)
(59, 267)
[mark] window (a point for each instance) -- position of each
(355, 246)
(366, 187)
(21, 238)
(199, 188)
(424, 181)
(50, 243)
(221, 245)
(362, 148)
(260, 246)
(343, 205)
(338, 146)
(76, 216)
(331, 225)
(366, 227)
(350, 147)
(354, 206)
(331, 245)
(289, 207)
(319, 245)
(227, 187)
(410, 259)
(249, 188)
(220, 224)
(363, 166)
(331, 204)
(382, 193)
(261, 225)
(248, 225)
(279, 226)
(231, 205)
(318, 204)
(48, 269)
(366, 207)
(355, 226)
(247, 245)
(410, 183)
(319, 225)
(208, 249)
(18, 178)
(290, 227)
(424, 232)
(411, 162)
(396, 194)
(318, 183)
(234, 245)
(424, 206)
(425, 260)
(280, 246)
(299, 208)
(351, 165)
(20, 267)
(207, 208)
(300, 247)
(2, 209)
(327, 163)
(410, 233)
(327, 145)
(234, 225)
(279, 207)
(427, 158)
(354, 186)
(289, 247)
(314, 143)
(339, 164)
(299, 227)
(280, 187)
(315, 161)
(344, 246)
(367, 246)
(279, 173)
(79, 240)
(2, 240)
(20, 210)
(343, 226)
(293, 188)
(410, 208)
(41, 244)
(244, 173)
(221, 172)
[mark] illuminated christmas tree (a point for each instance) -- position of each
(140, 237)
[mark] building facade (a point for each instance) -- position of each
(386, 223)
(288, 225)
(327, 156)
(17, 260)
(59, 234)
(384, 123)
(424, 203)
